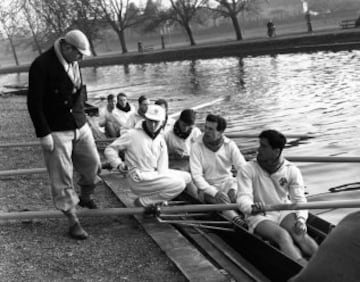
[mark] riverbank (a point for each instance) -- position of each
(326, 40)
(118, 249)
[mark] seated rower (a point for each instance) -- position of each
(168, 122)
(211, 159)
(268, 180)
(139, 115)
(146, 161)
(180, 137)
(123, 109)
(108, 118)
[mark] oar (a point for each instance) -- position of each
(29, 215)
(318, 159)
(203, 105)
(178, 209)
(13, 172)
(244, 135)
(291, 206)
(313, 205)
(294, 159)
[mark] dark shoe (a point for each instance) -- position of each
(106, 165)
(239, 222)
(90, 204)
(77, 232)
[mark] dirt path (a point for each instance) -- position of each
(118, 249)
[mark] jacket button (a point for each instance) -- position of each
(70, 110)
(66, 102)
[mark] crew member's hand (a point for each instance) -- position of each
(232, 195)
(257, 208)
(122, 168)
(47, 143)
(300, 225)
(222, 198)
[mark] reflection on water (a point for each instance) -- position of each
(295, 93)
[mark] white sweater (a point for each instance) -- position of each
(178, 145)
(210, 169)
(256, 185)
(141, 151)
(117, 117)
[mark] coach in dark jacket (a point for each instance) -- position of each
(56, 105)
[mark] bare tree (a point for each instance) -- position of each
(231, 9)
(121, 15)
(87, 15)
(10, 26)
(56, 16)
(33, 21)
(183, 12)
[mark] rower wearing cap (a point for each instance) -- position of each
(146, 161)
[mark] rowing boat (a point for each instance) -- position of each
(265, 257)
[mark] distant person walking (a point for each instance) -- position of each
(56, 105)
(308, 22)
(270, 29)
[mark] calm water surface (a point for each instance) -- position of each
(295, 93)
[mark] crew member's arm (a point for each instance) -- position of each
(297, 195)
(237, 158)
(245, 194)
(102, 118)
(196, 168)
(111, 152)
(163, 161)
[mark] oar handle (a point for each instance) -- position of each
(314, 205)
(279, 207)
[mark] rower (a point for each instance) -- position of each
(108, 119)
(270, 179)
(146, 161)
(180, 137)
(139, 115)
(168, 122)
(212, 157)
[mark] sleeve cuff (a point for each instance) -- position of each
(211, 190)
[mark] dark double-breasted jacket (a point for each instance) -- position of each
(53, 101)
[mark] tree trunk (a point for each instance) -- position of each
(13, 50)
(236, 27)
(121, 36)
(190, 34)
(92, 48)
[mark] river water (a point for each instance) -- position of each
(315, 93)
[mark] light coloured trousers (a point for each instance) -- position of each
(72, 149)
(158, 187)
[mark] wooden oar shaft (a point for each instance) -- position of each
(36, 143)
(223, 207)
(29, 215)
(315, 205)
(245, 135)
(13, 172)
(324, 159)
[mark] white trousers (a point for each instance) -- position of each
(72, 149)
(156, 188)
